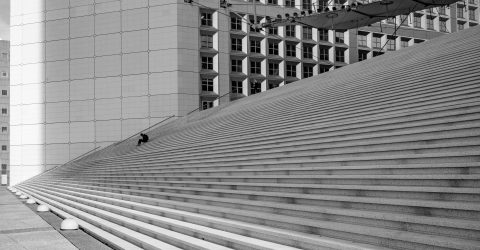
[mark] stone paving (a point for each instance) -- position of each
(21, 228)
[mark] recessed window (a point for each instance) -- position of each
(339, 37)
(307, 33)
(255, 87)
(290, 3)
(362, 39)
(273, 30)
(4, 147)
(273, 48)
(237, 87)
(4, 92)
(207, 84)
(339, 55)
(236, 23)
(207, 105)
(4, 74)
(206, 41)
(307, 4)
(236, 65)
(376, 41)
(291, 70)
(207, 62)
(324, 52)
(430, 21)
(307, 51)
(272, 2)
(391, 44)
(443, 25)
(323, 35)
(290, 30)
(255, 46)
(273, 69)
(4, 168)
(461, 26)
(206, 19)
(307, 71)
(236, 44)
(472, 15)
(323, 68)
(377, 53)
(404, 43)
(417, 21)
(4, 129)
(362, 55)
(255, 67)
(4, 111)
(290, 50)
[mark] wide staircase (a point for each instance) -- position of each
(382, 154)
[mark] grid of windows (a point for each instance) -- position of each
(207, 62)
(235, 23)
(307, 71)
(324, 53)
(207, 84)
(273, 48)
(237, 87)
(255, 67)
(273, 68)
(290, 30)
(206, 41)
(236, 65)
(307, 51)
(291, 70)
(255, 46)
(206, 19)
(290, 50)
(236, 44)
(307, 33)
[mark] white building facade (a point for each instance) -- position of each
(86, 73)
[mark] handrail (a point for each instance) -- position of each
(213, 99)
(74, 159)
(141, 131)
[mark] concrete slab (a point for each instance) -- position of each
(21, 228)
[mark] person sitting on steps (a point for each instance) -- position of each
(144, 139)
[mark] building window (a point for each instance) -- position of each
(362, 55)
(236, 23)
(339, 55)
(4, 92)
(403, 20)
(206, 19)
(430, 22)
(290, 3)
(307, 51)
(461, 26)
(472, 15)
(291, 70)
(255, 87)
(207, 62)
(4, 168)
(323, 35)
(441, 10)
(255, 46)
(307, 71)
(273, 2)
(255, 67)
(377, 53)
(376, 41)
(290, 50)
(4, 129)
(4, 147)
(207, 105)
(273, 30)
(4, 74)
(323, 68)
(391, 44)
(207, 84)
(236, 44)
(207, 41)
(362, 40)
(460, 10)
(324, 53)
(416, 41)
(237, 87)
(273, 48)
(236, 65)
(273, 69)
(417, 21)
(404, 43)
(4, 111)
(307, 4)
(307, 33)
(339, 37)
(290, 30)
(443, 25)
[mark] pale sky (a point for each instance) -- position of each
(5, 19)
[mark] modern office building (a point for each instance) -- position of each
(5, 106)
(86, 73)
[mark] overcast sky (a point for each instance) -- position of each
(5, 19)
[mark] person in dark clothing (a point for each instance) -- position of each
(144, 139)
